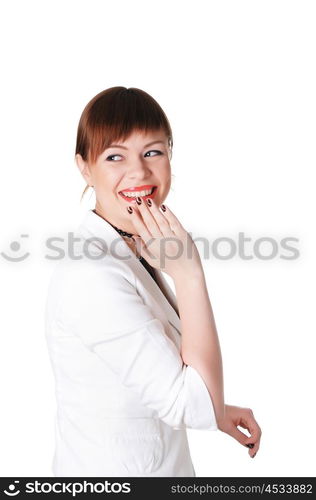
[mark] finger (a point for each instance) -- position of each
(243, 440)
(238, 435)
(139, 224)
(250, 423)
(148, 218)
(254, 450)
(160, 219)
(174, 222)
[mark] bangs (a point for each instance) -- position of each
(112, 115)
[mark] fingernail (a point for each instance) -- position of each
(253, 456)
(149, 202)
(250, 445)
(163, 208)
(130, 210)
(138, 200)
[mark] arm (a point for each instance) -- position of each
(200, 344)
(100, 306)
(200, 349)
(162, 236)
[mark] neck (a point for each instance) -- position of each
(126, 233)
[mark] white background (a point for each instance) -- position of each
(237, 82)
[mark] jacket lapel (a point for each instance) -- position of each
(172, 301)
(100, 231)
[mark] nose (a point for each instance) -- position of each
(138, 169)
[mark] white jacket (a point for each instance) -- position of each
(124, 396)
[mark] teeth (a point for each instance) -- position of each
(138, 193)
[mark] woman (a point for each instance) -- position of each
(135, 365)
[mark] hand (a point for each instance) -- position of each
(234, 416)
(163, 241)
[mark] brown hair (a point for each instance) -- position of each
(112, 115)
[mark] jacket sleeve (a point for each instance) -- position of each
(104, 309)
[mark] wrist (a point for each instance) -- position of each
(188, 276)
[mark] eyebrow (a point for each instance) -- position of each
(123, 147)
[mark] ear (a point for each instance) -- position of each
(84, 169)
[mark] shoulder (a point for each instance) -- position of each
(93, 298)
(83, 272)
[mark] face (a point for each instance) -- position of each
(141, 165)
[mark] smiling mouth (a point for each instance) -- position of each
(132, 197)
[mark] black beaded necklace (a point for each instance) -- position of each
(139, 257)
(120, 231)
(129, 235)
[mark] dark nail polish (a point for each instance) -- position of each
(163, 208)
(130, 210)
(253, 456)
(138, 200)
(250, 445)
(149, 202)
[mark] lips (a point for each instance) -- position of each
(139, 188)
(132, 199)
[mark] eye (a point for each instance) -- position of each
(111, 156)
(154, 151)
